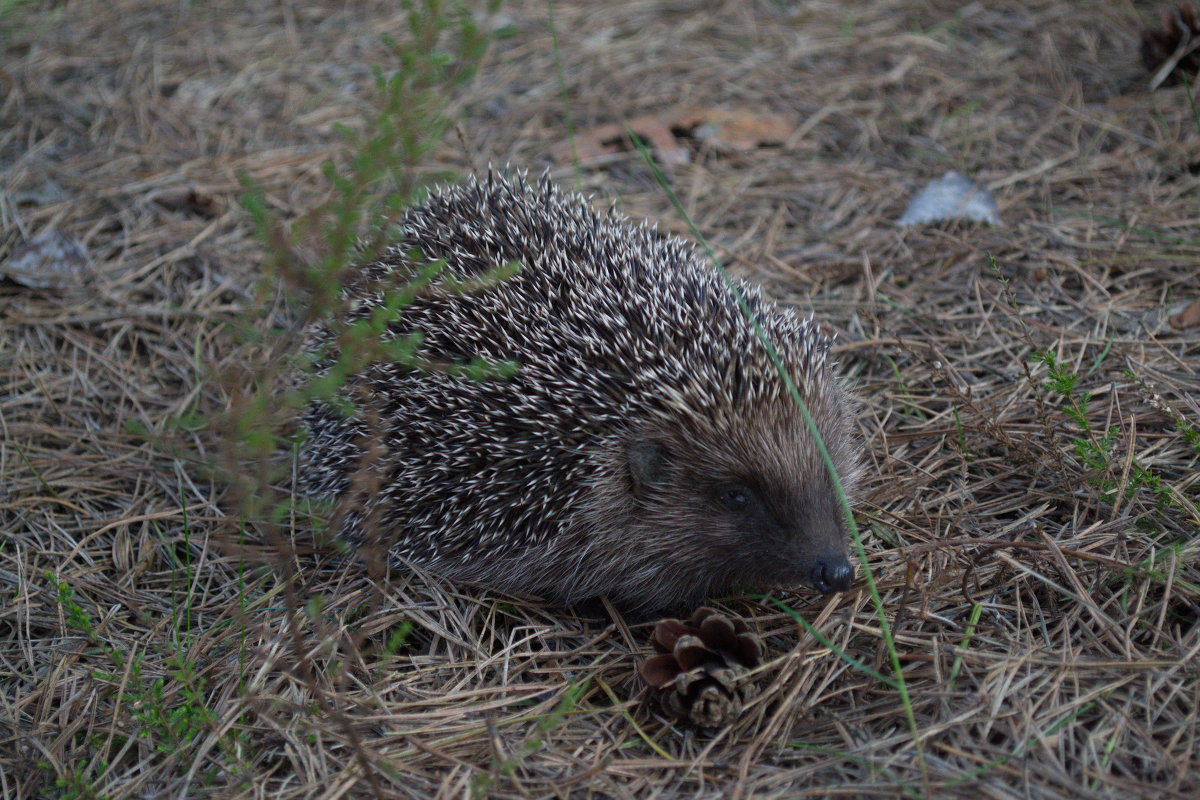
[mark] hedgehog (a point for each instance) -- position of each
(646, 449)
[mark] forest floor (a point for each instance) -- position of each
(1030, 405)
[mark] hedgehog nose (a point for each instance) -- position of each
(832, 574)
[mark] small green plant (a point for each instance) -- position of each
(968, 634)
(380, 171)
(1189, 432)
(1093, 447)
(78, 784)
(169, 712)
(173, 710)
(373, 179)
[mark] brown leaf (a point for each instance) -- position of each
(592, 144)
(730, 129)
(1188, 318)
(719, 128)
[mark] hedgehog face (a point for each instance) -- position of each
(746, 504)
(787, 534)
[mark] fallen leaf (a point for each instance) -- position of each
(1188, 318)
(738, 130)
(604, 140)
(719, 128)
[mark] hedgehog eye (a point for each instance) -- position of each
(735, 498)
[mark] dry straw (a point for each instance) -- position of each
(1040, 576)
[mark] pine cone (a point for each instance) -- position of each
(1179, 25)
(701, 672)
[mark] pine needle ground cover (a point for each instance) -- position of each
(1029, 406)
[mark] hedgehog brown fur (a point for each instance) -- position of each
(646, 449)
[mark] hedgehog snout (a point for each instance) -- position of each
(831, 574)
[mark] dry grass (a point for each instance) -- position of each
(1048, 629)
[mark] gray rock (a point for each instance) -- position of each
(952, 196)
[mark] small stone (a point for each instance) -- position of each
(952, 196)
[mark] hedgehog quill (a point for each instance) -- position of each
(646, 449)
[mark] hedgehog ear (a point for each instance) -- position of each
(647, 464)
